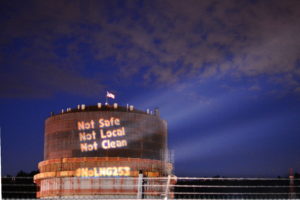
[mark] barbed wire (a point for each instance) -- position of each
(15, 184)
(19, 192)
(185, 186)
(236, 179)
(173, 177)
(16, 177)
(187, 193)
(199, 187)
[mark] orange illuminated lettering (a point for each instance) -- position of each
(82, 125)
(103, 171)
(88, 147)
(108, 144)
(87, 136)
(91, 172)
(112, 133)
(84, 171)
(109, 122)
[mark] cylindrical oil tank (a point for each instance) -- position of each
(99, 151)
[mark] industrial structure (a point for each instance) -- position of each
(100, 151)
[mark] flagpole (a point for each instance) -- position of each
(106, 103)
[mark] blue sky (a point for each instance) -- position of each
(225, 75)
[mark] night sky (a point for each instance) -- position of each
(224, 74)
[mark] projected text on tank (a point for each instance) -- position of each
(105, 131)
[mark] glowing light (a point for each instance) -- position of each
(89, 141)
(89, 147)
(103, 171)
(108, 123)
(85, 125)
(112, 133)
(108, 144)
(87, 136)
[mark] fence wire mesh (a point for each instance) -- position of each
(165, 188)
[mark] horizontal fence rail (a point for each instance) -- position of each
(171, 187)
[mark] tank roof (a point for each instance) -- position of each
(113, 107)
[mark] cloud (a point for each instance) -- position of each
(42, 57)
(297, 90)
(180, 40)
(34, 71)
(48, 81)
(254, 88)
(162, 42)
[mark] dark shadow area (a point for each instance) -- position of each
(20, 186)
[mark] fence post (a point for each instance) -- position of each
(140, 186)
(167, 187)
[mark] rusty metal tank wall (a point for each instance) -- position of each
(97, 152)
(140, 135)
(77, 176)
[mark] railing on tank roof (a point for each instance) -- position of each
(107, 107)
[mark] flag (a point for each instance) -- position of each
(110, 95)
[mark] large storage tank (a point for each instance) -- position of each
(98, 151)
